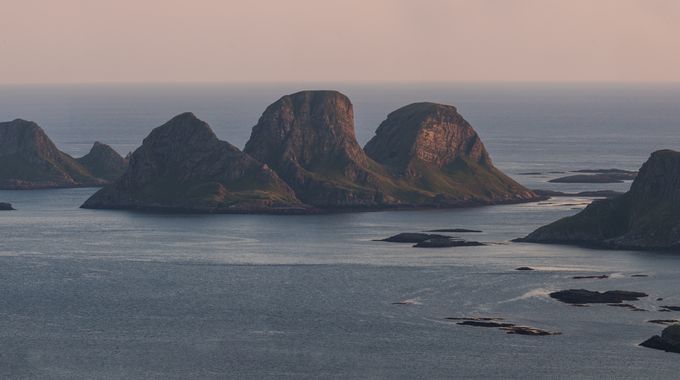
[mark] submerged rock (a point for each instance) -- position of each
(626, 305)
(590, 193)
(509, 328)
(647, 217)
(596, 277)
(664, 321)
(455, 230)
(183, 167)
(583, 296)
(446, 242)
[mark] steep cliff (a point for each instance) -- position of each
(182, 166)
(646, 217)
(308, 139)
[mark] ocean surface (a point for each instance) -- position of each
(117, 294)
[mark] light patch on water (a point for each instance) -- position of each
(535, 293)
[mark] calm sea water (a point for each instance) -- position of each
(115, 294)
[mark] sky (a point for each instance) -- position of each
(122, 41)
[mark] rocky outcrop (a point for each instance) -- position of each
(412, 237)
(583, 296)
(447, 242)
(308, 139)
(432, 148)
(104, 162)
(669, 340)
(647, 217)
(183, 167)
(596, 178)
(30, 160)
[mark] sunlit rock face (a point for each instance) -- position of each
(433, 148)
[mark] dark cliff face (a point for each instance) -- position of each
(646, 217)
(308, 139)
(103, 162)
(433, 148)
(183, 166)
(29, 160)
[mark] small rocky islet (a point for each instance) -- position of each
(583, 296)
(4, 206)
(598, 176)
(424, 240)
(509, 328)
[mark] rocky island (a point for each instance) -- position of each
(30, 160)
(432, 148)
(183, 167)
(308, 139)
(4, 206)
(303, 156)
(647, 217)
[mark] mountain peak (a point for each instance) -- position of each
(425, 132)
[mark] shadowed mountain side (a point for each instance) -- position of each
(30, 160)
(183, 167)
(104, 162)
(647, 217)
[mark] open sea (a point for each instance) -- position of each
(118, 295)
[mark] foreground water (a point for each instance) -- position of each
(115, 294)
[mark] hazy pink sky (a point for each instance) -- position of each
(338, 40)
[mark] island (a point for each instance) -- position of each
(647, 217)
(303, 157)
(30, 160)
